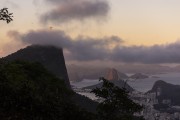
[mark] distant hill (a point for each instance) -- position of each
(118, 83)
(113, 74)
(51, 57)
(139, 76)
(167, 91)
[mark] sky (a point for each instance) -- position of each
(126, 31)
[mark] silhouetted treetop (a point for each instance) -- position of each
(116, 103)
(5, 15)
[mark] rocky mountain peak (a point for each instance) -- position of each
(112, 74)
(51, 57)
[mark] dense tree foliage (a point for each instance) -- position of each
(116, 104)
(29, 92)
(5, 15)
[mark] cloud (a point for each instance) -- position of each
(80, 48)
(102, 49)
(155, 54)
(60, 1)
(75, 10)
(11, 4)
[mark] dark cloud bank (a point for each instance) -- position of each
(75, 10)
(92, 49)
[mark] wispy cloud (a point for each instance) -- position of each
(64, 11)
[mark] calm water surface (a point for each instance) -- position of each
(142, 85)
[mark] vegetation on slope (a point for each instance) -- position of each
(29, 92)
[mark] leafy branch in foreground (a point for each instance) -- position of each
(116, 104)
(5, 15)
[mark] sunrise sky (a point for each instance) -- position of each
(140, 31)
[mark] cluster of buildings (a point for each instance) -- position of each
(149, 101)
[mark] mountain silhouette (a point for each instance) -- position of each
(166, 91)
(50, 57)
